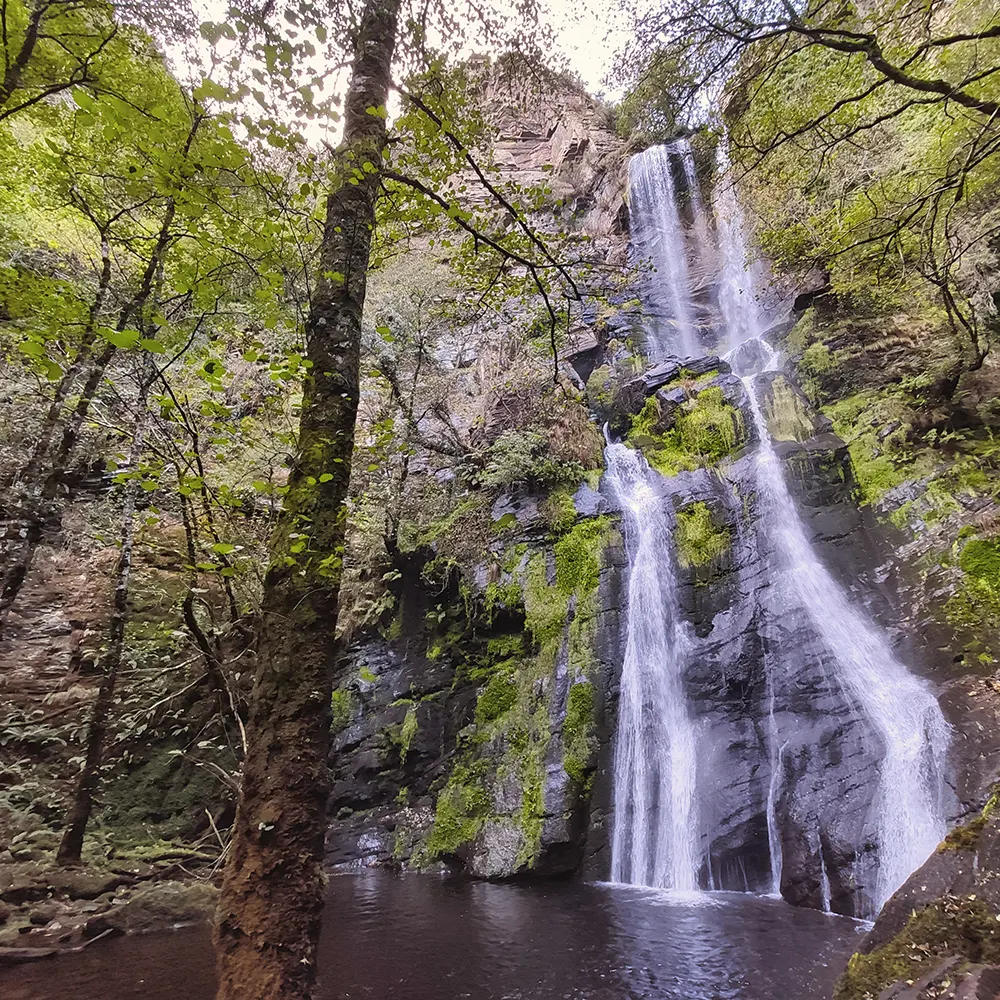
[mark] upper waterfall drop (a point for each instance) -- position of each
(659, 233)
(655, 831)
(737, 284)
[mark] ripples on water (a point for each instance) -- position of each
(421, 938)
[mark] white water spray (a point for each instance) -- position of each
(659, 235)
(901, 711)
(654, 837)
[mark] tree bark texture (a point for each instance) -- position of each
(272, 896)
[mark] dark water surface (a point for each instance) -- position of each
(421, 938)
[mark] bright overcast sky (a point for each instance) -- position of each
(589, 37)
(588, 32)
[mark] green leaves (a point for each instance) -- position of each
(123, 339)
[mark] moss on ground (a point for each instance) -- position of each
(964, 927)
(699, 541)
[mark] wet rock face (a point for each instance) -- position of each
(821, 775)
(412, 719)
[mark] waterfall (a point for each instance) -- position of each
(654, 836)
(896, 721)
(700, 221)
(658, 232)
(737, 288)
(911, 736)
(773, 790)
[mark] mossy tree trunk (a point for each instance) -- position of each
(272, 896)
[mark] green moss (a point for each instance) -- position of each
(510, 741)
(545, 606)
(816, 359)
(900, 517)
(965, 837)
(981, 559)
(975, 606)
(505, 647)
(407, 730)
(413, 536)
(578, 556)
(341, 709)
(600, 386)
(579, 742)
(497, 698)
(559, 511)
(952, 926)
(706, 430)
(531, 816)
(875, 474)
(699, 541)
(462, 806)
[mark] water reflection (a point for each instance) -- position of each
(419, 938)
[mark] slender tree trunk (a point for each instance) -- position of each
(29, 472)
(15, 569)
(272, 897)
(16, 566)
(12, 75)
(83, 798)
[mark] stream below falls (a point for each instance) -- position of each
(416, 937)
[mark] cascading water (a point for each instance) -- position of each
(700, 220)
(891, 717)
(900, 709)
(658, 231)
(654, 838)
(737, 288)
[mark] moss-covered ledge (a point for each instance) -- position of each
(701, 543)
(699, 429)
(958, 927)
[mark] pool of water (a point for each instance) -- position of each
(421, 938)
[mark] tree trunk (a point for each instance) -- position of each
(272, 896)
(83, 798)
(15, 68)
(15, 569)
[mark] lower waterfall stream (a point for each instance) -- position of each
(909, 731)
(654, 839)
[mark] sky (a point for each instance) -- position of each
(590, 34)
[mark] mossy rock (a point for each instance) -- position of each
(162, 905)
(959, 926)
(705, 430)
(700, 542)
